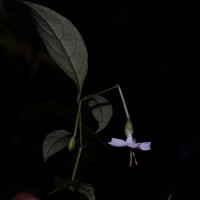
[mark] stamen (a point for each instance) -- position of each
(135, 159)
(131, 160)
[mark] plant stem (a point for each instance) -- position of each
(78, 122)
(123, 102)
(76, 163)
(98, 93)
(80, 130)
(107, 90)
(77, 119)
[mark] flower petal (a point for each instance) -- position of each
(145, 146)
(131, 142)
(118, 143)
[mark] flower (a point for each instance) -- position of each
(132, 144)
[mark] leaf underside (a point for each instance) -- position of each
(63, 42)
(54, 142)
(87, 190)
(101, 110)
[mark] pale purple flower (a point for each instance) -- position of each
(132, 144)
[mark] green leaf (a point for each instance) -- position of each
(87, 190)
(101, 110)
(63, 42)
(55, 142)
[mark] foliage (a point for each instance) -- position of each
(67, 48)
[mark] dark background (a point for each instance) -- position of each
(151, 48)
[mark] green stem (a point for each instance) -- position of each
(123, 102)
(78, 122)
(107, 90)
(77, 119)
(98, 93)
(80, 130)
(76, 163)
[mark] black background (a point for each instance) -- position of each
(151, 48)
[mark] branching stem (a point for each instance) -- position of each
(79, 122)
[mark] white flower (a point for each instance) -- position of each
(132, 144)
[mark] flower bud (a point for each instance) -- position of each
(128, 128)
(72, 144)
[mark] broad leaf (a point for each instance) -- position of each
(63, 42)
(55, 142)
(87, 190)
(101, 110)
